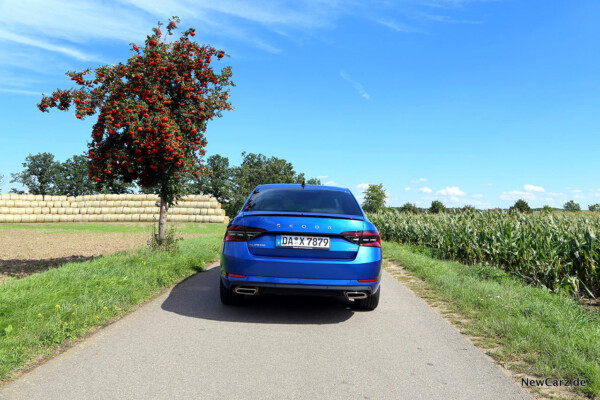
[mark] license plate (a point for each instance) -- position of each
(303, 242)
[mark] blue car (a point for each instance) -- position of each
(301, 239)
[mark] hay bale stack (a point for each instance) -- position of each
(107, 208)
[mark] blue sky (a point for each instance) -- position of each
(468, 102)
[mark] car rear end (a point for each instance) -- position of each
(298, 239)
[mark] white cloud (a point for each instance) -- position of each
(477, 196)
(419, 180)
(359, 88)
(516, 195)
(362, 186)
(407, 189)
(322, 176)
(425, 190)
(331, 183)
(532, 188)
(397, 26)
(576, 191)
(451, 191)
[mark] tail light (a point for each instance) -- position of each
(363, 238)
(239, 233)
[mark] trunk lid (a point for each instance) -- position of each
(277, 224)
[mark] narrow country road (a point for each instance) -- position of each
(185, 344)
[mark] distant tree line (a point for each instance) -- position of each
(230, 185)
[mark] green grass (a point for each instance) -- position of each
(544, 334)
(42, 311)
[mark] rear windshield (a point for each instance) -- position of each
(303, 200)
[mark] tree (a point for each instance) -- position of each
(520, 206)
(409, 208)
(468, 208)
(437, 207)
(594, 207)
(571, 205)
(547, 209)
(38, 175)
(375, 197)
(218, 181)
(152, 113)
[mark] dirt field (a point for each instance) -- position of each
(26, 251)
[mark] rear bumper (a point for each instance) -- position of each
(300, 286)
(317, 276)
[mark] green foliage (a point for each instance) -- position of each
(468, 208)
(218, 180)
(561, 253)
(521, 206)
(437, 207)
(44, 175)
(571, 205)
(257, 169)
(594, 207)
(409, 208)
(547, 209)
(38, 175)
(169, 244)
(375, 197)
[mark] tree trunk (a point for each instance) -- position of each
(162, 221)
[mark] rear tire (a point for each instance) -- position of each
(228, 296)
(368, 304)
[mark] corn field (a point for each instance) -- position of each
(560, 252)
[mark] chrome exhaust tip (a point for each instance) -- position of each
(355, 295)
(250, 291)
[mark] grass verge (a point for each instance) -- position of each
(537, 332)
(40, 312)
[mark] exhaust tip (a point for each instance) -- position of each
(249, 291)
(355, 295)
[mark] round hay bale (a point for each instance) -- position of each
(70, 211)
(62, 218)
(80, 218)
(70, 218)
(29, 197)
(2, 203)
(4, 210)
(9, 218)
(15, 197)
(55, 218)
(214, 219)
(126, 217)
(91, 218)
(118, 210)
(135, 217)
(54, 211)
(2, 218)
(4, 196)
(62, 211)
(203, 211)
(61, 198)
(28, 210)
(45, 210)
(37, 210)
(25, 218)
(14, 211)
(10, 203)
(100, 197)
(97, 211)
(71, 199)
(16, 218)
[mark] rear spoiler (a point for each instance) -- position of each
(280, 214)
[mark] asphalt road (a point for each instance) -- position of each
(185, 345)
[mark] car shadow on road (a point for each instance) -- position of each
(198, 297)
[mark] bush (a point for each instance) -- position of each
(594, 207)
(409, 208)
(521, 206)
(437, 207)
(571, 205)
